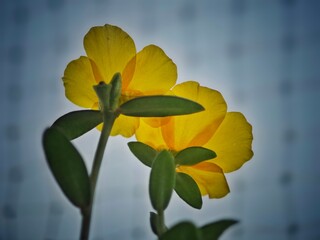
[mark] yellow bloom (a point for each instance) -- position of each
(227, 133)
(110, 50)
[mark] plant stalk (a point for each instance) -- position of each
(161, 223)
(108, 121)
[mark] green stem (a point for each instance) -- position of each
(161, 223)
(108, 120)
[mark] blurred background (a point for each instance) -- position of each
(262, 55)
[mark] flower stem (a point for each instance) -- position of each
(108, 120)
(161, 223)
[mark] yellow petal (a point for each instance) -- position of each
(156, 121)
(78, 81)
(195, 129)
(110, 48)
(151, 136)
(128, 73)
(155, 73)
(209, 177)
(232, 142)
(125, 126)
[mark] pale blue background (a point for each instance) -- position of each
(262, 55)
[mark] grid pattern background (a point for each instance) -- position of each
(262, 55)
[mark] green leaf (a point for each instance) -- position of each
(193, 155)
(162, 179)
(159, 106)
(188, 190)
(182, 231)
(143, 152)
(154, 222)
(213, 231)
(74, 124)
(67, 166)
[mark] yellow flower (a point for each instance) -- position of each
(227, 133)
(110, 50)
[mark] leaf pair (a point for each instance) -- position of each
(188, 231)
(184, 185)
(188, 157)
(77, 123)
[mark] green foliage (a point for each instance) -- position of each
(213, 231)
(188, 231)
(77, 123)
(182, 231)
(155, 223)
(143, 152)
(188, 190)
(162, 180)
(159, 106)
(193, 155)
(67, 166)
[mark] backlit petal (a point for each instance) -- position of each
(111, 49)
(232, 142)
(209, 177)
(156, 121)
(195, 129)
(125, 126)
(151, 136)
(78, 81)
(155, 73)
